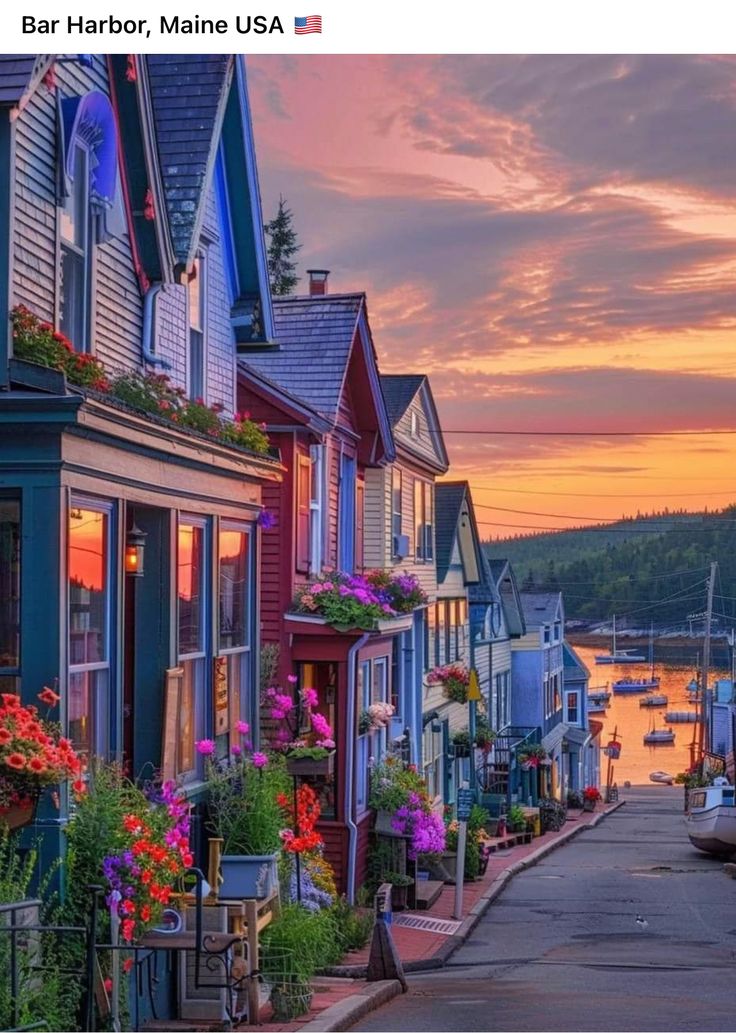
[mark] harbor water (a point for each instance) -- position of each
(632, 721)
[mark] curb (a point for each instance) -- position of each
(441, 956)
(345, 1013)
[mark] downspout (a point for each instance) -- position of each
(350, 765)
(148, 325)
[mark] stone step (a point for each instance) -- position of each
(427, 892)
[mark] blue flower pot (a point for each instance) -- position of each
(245, 876)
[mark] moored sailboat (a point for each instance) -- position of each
(619, 656)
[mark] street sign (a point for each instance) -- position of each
(465, 803)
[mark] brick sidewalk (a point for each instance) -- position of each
(417, 947)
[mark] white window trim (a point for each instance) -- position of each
(202, 258)
(317, 508)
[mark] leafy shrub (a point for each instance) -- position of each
(552, 813)
(36, 341)
(575, 799)
(354, 925)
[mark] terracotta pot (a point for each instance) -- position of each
(19, 815)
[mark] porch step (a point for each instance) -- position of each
(427, 891)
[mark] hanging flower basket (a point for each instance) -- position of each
(300, 764)
(454, 679)
(18, 815)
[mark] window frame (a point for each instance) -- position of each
(397, 493)
(316, 508)
(347, 513)
(423, 527)
(100, 700)
(575, 696)
(86, 253)
(238, 696)
(200, 271)
(13, 671)
(199, 658)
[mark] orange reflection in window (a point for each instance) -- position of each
(185, 560)
(231, 544)
(87, 549)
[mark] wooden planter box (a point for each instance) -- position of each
(301, 766)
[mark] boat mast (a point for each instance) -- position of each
(703, 738)
(613, 651)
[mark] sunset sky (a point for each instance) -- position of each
(552, 239)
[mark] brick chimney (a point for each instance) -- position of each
(318, 281)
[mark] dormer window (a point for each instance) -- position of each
(77, 231)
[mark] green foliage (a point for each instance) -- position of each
(479, 818)
(36, 341)
(306, 940)
(516, 816)
(270, 654)
(46, 994)
(620, 567)
(354, 924)
(574, 799)
(391, 783)
(243, 805)
(282, 246)
(552, 814)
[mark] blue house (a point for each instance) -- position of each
(129, 544)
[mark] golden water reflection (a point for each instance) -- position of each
(633, 721)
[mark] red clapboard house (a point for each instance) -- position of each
(319, 393)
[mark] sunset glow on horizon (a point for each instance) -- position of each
(552, 239)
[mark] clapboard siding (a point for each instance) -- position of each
(377, 517)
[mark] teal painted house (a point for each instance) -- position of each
(130, 220)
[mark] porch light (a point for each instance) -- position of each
(135, 545)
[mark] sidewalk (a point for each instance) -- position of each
(344, 996)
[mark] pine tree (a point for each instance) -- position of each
(282, 247)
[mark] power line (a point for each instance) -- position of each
(603, 495)
(675, 518)
(649, 577)
(606, 530)
(482, 432)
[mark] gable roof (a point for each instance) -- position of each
(449, 498)
(398, 391)
(281, 397)
(539, 608)
(497, 568)
(571, 661)
(188, 96)
(19, 73)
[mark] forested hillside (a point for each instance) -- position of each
(652, 567)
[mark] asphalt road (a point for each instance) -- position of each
(560, 949)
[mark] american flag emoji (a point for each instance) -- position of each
(312, 23)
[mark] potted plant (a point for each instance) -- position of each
(454, 679)
(33, 755)
(484, 734)
(575, 799)
(532, 756)
(591, 796)
(461, 742)
(305, 737)
(399, 796)
(245, 813)
(400, 884)
(516, 818)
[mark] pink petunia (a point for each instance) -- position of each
(243, 727)
(205, 747)
(236, 750)
(260, 760)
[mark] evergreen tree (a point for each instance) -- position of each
(282, 247)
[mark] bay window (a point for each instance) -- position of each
(89, 587)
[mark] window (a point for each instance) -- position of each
(423, 520)
(414, 424)
(441, 634)
(433, 755)
(197, 324)
(395, 504)
(191, 609)
(76, 232)
(430, 645)
(303, 512)
(359, 523)
(347, 521)
(322, 677)
(502, 715)
(234, 586)
(9, 593)
(547, 637)
(316, 507)
(572, 715)
(89, 626)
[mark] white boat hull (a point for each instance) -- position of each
(621, 658)
(713, 830)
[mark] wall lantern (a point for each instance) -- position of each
(135, 545)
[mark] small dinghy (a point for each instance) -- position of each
(659, 735)
(662, 777)
(635, 685)
(654, 701)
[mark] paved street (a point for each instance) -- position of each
(560, 949)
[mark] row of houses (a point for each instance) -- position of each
(148, 566)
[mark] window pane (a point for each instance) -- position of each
(196, 364)
(196, 296)
(418, 520)
(396, 503)
(379, 689)
(191, 689)
(88, 707)
(88, 586)
(9, 583)
(73, 297)
(73, 222)
(190, 568)
(233, 589)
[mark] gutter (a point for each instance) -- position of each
(148, 324)
(350, 765)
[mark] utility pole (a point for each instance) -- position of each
(703, 739)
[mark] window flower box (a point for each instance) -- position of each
(299, 765)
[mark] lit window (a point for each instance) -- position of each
(572, 708)
(197, 323)
(231, 692)
(191, 607)
(423, 520)
(76, 232)
(396, 503)
(89, 627)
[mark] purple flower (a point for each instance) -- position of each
(205, 747)
(236, 750)
(243, 727)
(259, 760)
(266, 519)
